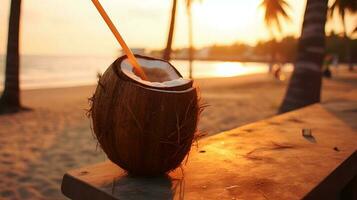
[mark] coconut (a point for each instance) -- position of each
(145, 126)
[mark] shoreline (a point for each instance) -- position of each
(245, 60)
(84, 84)
(241, 78)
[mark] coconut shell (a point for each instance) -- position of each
(145, 130)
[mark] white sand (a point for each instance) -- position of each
(38, 147)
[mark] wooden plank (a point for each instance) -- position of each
(264, 160)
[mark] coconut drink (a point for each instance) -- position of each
(144, 113)
(145, 126)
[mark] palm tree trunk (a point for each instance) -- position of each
(10, 99)
(306, 81)
(347, 44)
(190, 38)
(168, 49)
(272, 51)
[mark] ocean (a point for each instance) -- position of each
(66, 71)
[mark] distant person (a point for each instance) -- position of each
(277, 68)
(335, 62)
(277, 71)
(326, 66)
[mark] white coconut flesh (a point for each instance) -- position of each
(159, 73)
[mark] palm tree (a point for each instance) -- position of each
(343, 6)
(275, 11)
(10, 99)
(168, 49)
(305, 84)
(190, 35)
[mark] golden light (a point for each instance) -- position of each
(228, 69)
(227, 17)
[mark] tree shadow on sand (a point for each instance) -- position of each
(5, 110)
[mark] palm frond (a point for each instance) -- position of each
(190, 2)
(275, 12)
(343, 6)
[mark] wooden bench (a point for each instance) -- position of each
(270, 159)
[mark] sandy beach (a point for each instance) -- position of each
(37, 147)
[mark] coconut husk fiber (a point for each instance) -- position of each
(144, 129)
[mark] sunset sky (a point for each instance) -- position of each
(68, 27)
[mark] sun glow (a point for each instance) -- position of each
(228, 69)
(220, 23)
(225, 18)
(214, 22)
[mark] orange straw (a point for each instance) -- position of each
(137, 69)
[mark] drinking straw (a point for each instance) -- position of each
(138, 70)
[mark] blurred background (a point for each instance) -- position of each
(58, 37)
(250, 59)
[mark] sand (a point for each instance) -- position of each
(39, 146)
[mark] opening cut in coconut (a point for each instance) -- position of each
(159, 73)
